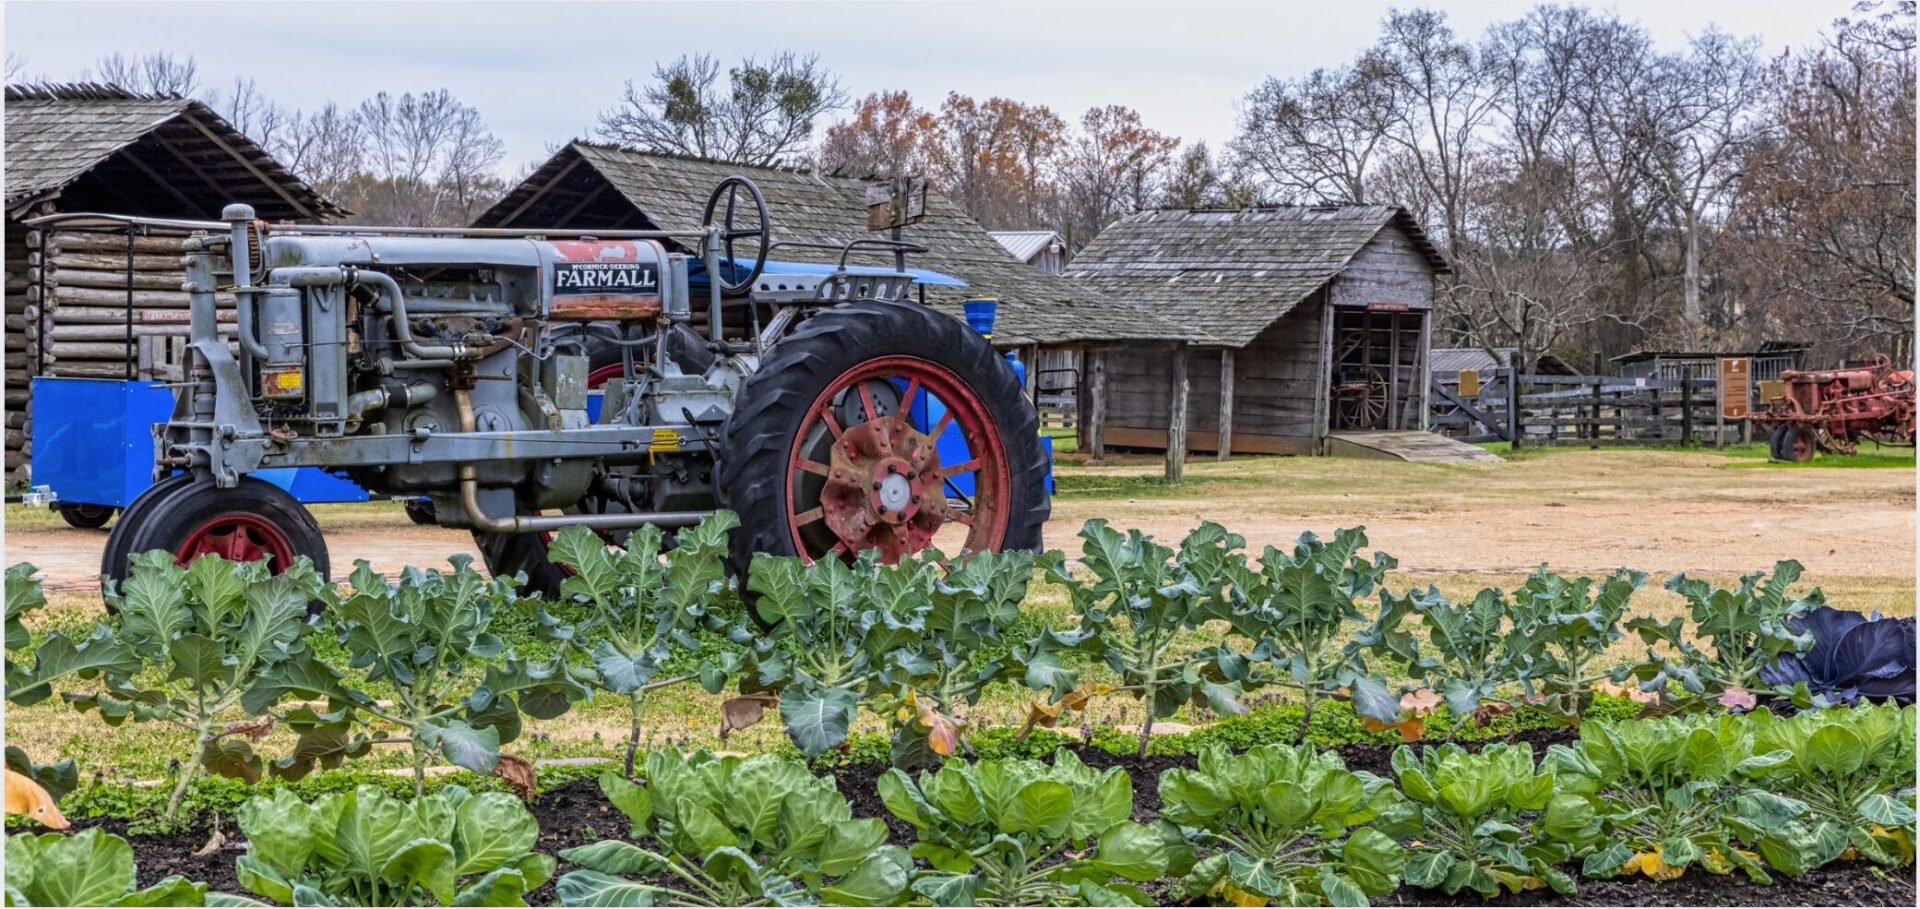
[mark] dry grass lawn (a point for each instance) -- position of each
(1458, 527)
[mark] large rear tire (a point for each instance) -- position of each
(818, 459)
(192, 517)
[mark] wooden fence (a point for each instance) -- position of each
(1580, 410)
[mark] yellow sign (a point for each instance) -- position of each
(1736, 387)
(664, 440)
(1469, 382)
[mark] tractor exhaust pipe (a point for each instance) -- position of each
(470, 501)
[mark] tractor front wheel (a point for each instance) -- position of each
(882, 426)
(1797, 444)
(192, 517)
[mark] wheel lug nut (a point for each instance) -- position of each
(876, 486)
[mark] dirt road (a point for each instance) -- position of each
(1590, 511)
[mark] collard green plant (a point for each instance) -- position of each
(1016, 832)
(1469, 651)
(190, 645)
(1289, 827)
(92, 868)
(1561, 629)
(1747, 629)
(1300, 609)
(1665, 793)
(1140, 595)
(900, 639)
(411, 647)
(733, 831)
(1846, 785)
(367, 848)
(645, 609)
(1488, 821)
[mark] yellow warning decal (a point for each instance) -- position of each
(664, 440)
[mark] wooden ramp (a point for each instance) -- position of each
(1406, 446)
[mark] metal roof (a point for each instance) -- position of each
(1227, 275)
(670, 191)
(1025, 244)
(56, 134)
(1454, 359)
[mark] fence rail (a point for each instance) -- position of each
(1581, 410)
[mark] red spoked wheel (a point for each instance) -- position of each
(191, 517)
(236, 537)
(881, 483)
(825, 455)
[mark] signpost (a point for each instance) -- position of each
(1736, 392)
(1469, 383)
(895, 204)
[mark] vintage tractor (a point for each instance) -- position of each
(1832, 410)
(828, 409)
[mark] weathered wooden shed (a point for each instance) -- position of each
(1297, 321)
(1043, 249)
(588, 186)
(79, 303)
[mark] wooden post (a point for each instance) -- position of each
(1515, 428)
(1097, 407)
(1031, 355)
(1177, 416)
(1593, 430)
(1686, 406)
(1226, 403)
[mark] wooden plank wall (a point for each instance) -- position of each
(1386, 270)
(1274, 389)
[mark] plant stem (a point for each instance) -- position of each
(203, 735)
(419, 769)
(634, 699)
(1146, 726)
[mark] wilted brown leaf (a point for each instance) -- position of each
(518, 774)
(743, 711)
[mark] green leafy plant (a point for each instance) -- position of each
(1301, 610)
(1846, 785)
(191, 644)
(92, 868)
(645, 609)
(1488, 821)
(1140, 596)
(368, 848)
(735, 831)
(1747, 628)
(1015, 833)
(901, 639)
(1469, 652)
(1289, 824)
(416, 642)
(1664, 791)
(1562, 628)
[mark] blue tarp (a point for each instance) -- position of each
(697, 272)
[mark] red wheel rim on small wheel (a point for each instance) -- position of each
(238, 537)
(884, 487)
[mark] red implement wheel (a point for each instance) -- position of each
(821, 457)
(191, 518)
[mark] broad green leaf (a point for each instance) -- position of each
(477, 750)
(1043, 807)
(631, 798)
(615, 857)
(173, 890)
(90, 868)
(592, 888)
(490, 830)
(880, 879)
(1132, 852)
(817, 718)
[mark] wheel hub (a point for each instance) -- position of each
(884, 489)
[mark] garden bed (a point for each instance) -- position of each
(575, 813)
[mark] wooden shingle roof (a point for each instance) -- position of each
(57, 134)
(1227, 275)
(670, 191)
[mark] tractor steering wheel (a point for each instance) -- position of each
(729, 231)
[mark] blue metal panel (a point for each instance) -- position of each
(93, 444)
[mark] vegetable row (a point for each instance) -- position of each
(1754, 794)
(915, 643)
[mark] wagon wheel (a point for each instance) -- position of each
(1373, 405)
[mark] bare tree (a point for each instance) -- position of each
(324, 148)
(253, 113)
(764, 113)
(16, 67)
(1317, 138)
(423, 158)
(1113, 167)
(156, 73)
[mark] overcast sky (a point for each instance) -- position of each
(539, 72)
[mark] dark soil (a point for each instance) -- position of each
(576, 814)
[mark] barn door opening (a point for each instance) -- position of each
(1376, 369)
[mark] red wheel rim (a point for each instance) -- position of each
(883, 486)
(238, 537)
(605, 374)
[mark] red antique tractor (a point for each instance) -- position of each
(1831, 410)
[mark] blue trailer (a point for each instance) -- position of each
(93, 450)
